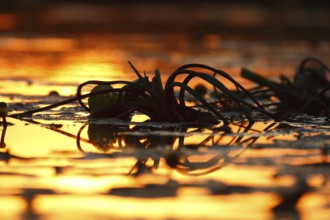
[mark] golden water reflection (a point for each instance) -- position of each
(123, 171)
(50, 178)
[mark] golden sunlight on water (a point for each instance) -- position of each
(11, 207)
(27, 88)
(47, 172)
(20, 137)
(63, 186)
(30, 45)
(70, 60)
(191, 207)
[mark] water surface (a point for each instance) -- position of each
(61, 165)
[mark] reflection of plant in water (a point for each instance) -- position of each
(209, 154)
(122, 137)
(3, 114)
(154, 143)
(106, 137)
(224, 151)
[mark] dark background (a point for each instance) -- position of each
(293, 19)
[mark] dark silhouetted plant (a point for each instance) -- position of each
(177, 100)
(168, 103)
(308, 92)
(122, 98)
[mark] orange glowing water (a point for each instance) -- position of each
(47, 177)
